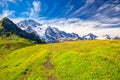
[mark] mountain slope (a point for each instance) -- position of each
(8, 28)
(85, 60)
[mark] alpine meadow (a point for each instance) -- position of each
(77, 60)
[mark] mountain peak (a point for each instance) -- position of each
(5, 19)
(28, 23)
(30, 20)
(89, 36)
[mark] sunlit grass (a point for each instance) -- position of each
(77, 60)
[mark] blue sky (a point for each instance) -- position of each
(79, 15)
(42, 8)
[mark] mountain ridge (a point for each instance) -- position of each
(47, 33)
(9, 28)
(41, 33)
(51, 34)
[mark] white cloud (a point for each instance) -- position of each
(83, 27)
(36, 5)
(69, 9)
(1, 4)
(117, 8)
(104, 19)
(4, 3)
(25, 13)
(13, 1)
(90, 1)
(103, 7)
(16, 20)
(82, 9)
(34, 12)
(7, 13)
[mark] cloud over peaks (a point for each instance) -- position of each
(7, 13)
(83, 27)
(34, 12)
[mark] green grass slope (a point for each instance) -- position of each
(78, 60)
(11, 43)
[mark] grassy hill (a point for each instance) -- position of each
(78, 60)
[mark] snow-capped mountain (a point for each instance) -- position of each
(89, 36)
(46, 33)
(28, 25)
(105, 37)
(51, 34)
